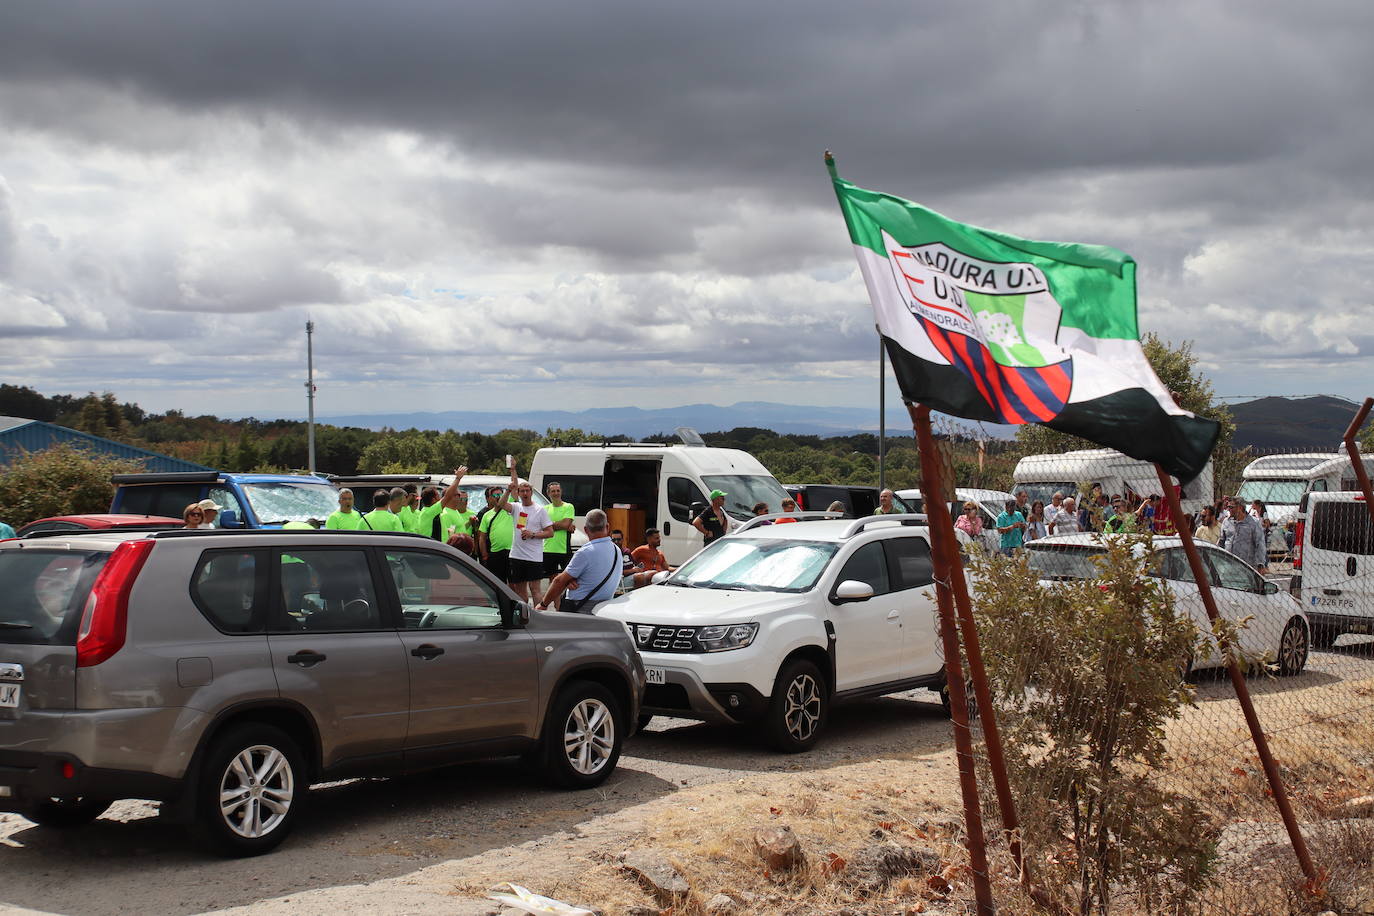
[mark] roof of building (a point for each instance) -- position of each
(18, 434)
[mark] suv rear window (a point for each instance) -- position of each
(45, 591)
(1342, 527)
(228, 587)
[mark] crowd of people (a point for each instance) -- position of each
(1244, 530)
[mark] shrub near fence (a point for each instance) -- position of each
(1135, 778)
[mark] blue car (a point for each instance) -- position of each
(246, 500)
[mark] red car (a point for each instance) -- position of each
(83, 522)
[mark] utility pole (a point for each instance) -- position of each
(310, 393)
(882, 412)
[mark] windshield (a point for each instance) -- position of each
(1064, 562)
(1279, 492)
(1044, 491)
(743, 490)
(274, 503)
(44, 593)
(757, 564)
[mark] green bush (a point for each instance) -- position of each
(62, 480)
(1085, 675)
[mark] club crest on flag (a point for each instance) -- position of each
(998, 323)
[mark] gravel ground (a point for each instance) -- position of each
(394, 846)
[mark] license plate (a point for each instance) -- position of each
(656, 675)
(9, 696)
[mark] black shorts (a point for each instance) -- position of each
(555, 563)
(525, 570)
(498, 564)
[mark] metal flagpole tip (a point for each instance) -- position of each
(829, 158)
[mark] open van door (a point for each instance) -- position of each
(630, 495)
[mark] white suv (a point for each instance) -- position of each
(777, 621)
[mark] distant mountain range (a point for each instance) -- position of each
(1307, 424)
(1267, 423)
(636, 422)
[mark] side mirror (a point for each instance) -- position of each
(519, 614)
(228, 518)
(659, 576)
(852, 590)
(1270, 588)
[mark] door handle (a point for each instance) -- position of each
(893, 615)
(306, 657)
(667, 529)
(427, 651)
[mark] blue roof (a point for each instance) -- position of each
(18, 435)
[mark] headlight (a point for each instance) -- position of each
(730, 636)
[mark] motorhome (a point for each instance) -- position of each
(1279, 481)
(655, 485)
(1041, 476)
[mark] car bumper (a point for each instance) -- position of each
(27, 777)
(157, 740)
(1340, 623)
(685, 695)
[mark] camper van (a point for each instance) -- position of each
(1333, 571)
(651, 485)
(1279, 481)
(1041, 476)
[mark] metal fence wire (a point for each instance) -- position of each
(1136, 779)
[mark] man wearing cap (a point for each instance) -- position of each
(713, 522)
(347, 518)
(209, 512)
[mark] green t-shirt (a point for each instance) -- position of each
(450, 520)
(345, 521)
(499, 528)
(410, 519)
(383, 520)
(559, 542)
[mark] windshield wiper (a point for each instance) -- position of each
(10, 625)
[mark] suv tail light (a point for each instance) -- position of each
(1297, 543)
(104, 621)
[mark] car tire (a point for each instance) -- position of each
(799, 708)
(249, 791)
(583, 736)
(1293, 648)
(1324, 637)
(65, 813)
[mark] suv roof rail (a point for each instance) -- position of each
(904, 518)
(800, 516)
(167, 477)
(291, 532)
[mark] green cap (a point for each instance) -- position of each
(715, 493)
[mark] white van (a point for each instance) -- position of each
(1333, 570)
(651, 485)
(1279, 481)
(1041, 476)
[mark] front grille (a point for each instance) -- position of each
(666, 639)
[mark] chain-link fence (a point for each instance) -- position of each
(1129, 751)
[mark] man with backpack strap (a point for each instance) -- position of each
(592, 574)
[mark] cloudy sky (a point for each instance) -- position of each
(513, 205)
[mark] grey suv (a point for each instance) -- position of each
(224, 672)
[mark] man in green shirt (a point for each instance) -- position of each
(381, 518)
(346, 519)
(496, 530)
(885, 504)
(557, 550)
(408, 512)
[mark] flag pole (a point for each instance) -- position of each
(882, 411)
(942, 526)
(1271, 770)
(1356, 461)
(945, 561)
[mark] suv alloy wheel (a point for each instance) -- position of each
(583, 736)
(250, 790)
(799, 709)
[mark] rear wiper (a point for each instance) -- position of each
(10, 625)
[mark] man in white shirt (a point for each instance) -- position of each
(532, 528)
(1065, 519)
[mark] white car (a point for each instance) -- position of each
(777, 621)
(1279, 627)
